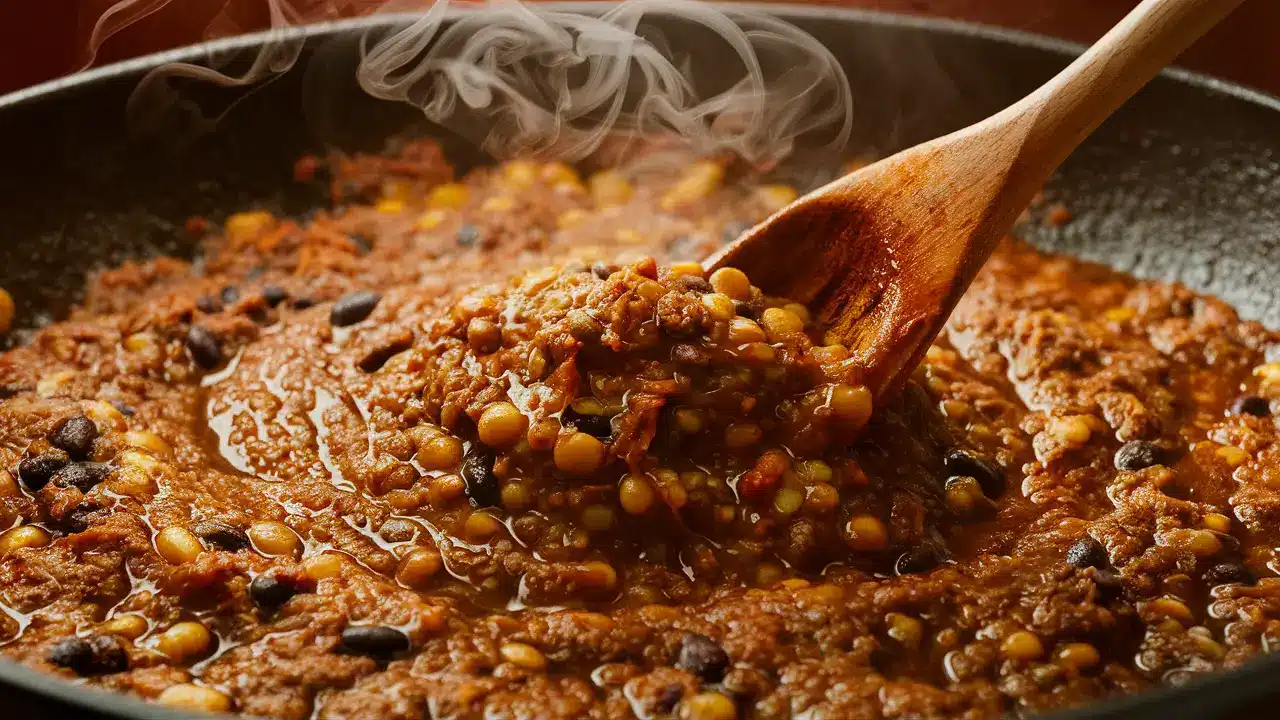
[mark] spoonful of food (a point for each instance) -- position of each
(882, 255)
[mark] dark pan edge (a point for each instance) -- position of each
(872, 17)
(1223, 694)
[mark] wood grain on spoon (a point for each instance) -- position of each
(883, 254)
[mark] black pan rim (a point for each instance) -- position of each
(1022, 38)
(1174, 701)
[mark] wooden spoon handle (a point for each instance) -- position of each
(1060, 114)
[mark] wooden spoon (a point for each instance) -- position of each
(882, 255)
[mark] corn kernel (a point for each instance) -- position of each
(389, 206)
(178, 545)
(570, 217)
(524, 655)
(497, 204)
(1022, 645)
(520, 173)
(449, 196)
(700, 180)
(1217, 522)
(719, 306)
(274, 539)
(1071, 430)
(905, 629)
(731, 282)
(150, 442)
(324, 565)
(609, 189)
(708, 706)
(635, 495)
(1119, 314)
(194, 697)
(687, 268)
(418, 567)
(184, 641)
(245, 226)
(866, 532)
(24, 536)
(430, 220)
(1269, 372)
(126, 626)
(1079, 655)
(776, 197)
(7, 311)
(1171, 608)
(1233, 456)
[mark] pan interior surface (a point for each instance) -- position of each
(1182, 184)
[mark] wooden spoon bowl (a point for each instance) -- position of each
(882, 255)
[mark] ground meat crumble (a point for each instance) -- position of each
(494, 447)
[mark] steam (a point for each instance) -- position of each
(532, 81)
(158, 99)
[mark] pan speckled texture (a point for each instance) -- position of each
(1183, 184)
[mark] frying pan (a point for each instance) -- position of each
(1182, 184)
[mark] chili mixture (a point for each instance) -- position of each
(496, 447)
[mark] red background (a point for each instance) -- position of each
(41, 39)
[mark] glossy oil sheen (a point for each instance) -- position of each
(1182, 184)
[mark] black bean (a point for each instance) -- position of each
(467, 235)
(1087, 552)
(918, 560)
(1137, 455)
(744, 309)
(94, 655)
(688, 354)
(79, 519)
(362, 242)
(109, 654)
(223, 535)
(1110, 584)
(1251, 405)
(374, 640)
(734, 230)
(668, 698)
(230, 294)
(83, 475)
(373, 360)
(598, 426)
(302, 303)
(603, 270)
(989, 476)
(703, 657)
(353, 307)
(273, 295)
(208, 304)
(76, 436)
(481, 484)
(72, 653)
(269, 593)
(126, 410)
(36, 472)
(204, 347)
(1227, 573)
